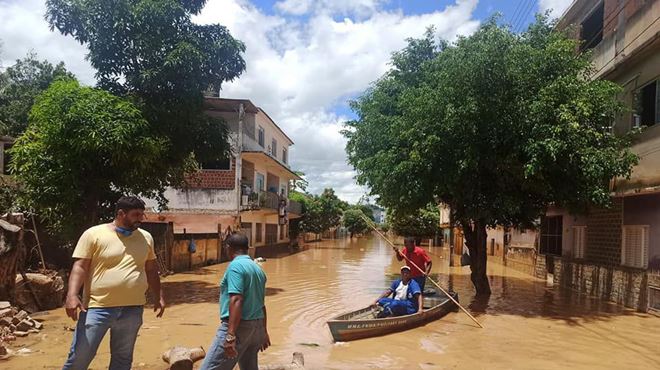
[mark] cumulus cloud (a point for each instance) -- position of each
(340, 7)
(303, 60)
(556, 7)
(298, 70)
(23, 29)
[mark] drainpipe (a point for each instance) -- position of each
(239, 164)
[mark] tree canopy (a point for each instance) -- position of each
(320, 212)
(354, 220)
(20, 84)
(423, 223)
(152, 53)
(83, 149)
(497, 125)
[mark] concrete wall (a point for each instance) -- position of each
(645, 210)
(625, 286)
(206, 252)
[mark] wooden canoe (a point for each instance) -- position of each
(362, 323)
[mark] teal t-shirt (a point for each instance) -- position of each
(244, 277)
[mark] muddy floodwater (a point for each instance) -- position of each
(527, 325)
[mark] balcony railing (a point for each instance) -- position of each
(295, 207)
(268, 200)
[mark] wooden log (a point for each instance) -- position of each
(181, 358)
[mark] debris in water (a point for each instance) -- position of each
(309, 344)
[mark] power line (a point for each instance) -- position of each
(511, 19)
(525, 15)
(523, 5)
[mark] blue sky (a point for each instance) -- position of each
(305, 59)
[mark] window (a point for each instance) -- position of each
(284, 158)
(591, 30)
(217, 164)
(261, 137)
(273, 148)
(648, 104)
(550, 239)
(258, 230)
(259, 186)
(635, 246)
(579, 241)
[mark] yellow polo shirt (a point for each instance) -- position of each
(116, 276)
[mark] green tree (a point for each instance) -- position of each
(354, 220)
(83, 148)
(422, 223)
(19, 86)
(300, 185)
(320, 212)
(152, 52)
(497, 126)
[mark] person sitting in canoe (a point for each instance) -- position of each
(407, 297)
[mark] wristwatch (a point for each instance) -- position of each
(230, 338)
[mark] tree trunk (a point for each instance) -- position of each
(476, 241)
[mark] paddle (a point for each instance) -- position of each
(370, 223)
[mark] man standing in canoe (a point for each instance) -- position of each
(418, 256)
(407, 297)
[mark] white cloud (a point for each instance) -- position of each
(298, 70)
(557, 7)
(340, 7)
(23, 29)
(295, 7)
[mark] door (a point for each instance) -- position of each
(260, 182)
(271, 234)
(246, 228)
(551, 235)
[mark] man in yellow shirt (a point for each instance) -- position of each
(114, 264)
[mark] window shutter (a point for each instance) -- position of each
(635, 246)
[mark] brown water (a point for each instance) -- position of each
(526, 324)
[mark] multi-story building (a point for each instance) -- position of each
(613, 252)
(249, 190)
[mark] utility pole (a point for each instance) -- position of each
(239, 165)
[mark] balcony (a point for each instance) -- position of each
(251, 145)
(266, 200)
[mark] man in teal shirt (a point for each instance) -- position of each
(242, 333)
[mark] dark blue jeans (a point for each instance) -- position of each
(123, 323)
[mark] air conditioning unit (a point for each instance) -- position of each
(637, 121)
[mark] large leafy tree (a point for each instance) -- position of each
(20, 84)
(320, 212)
(355, 221)
(152, 52)
(497, 125)
(83, 149)
(422, 223)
